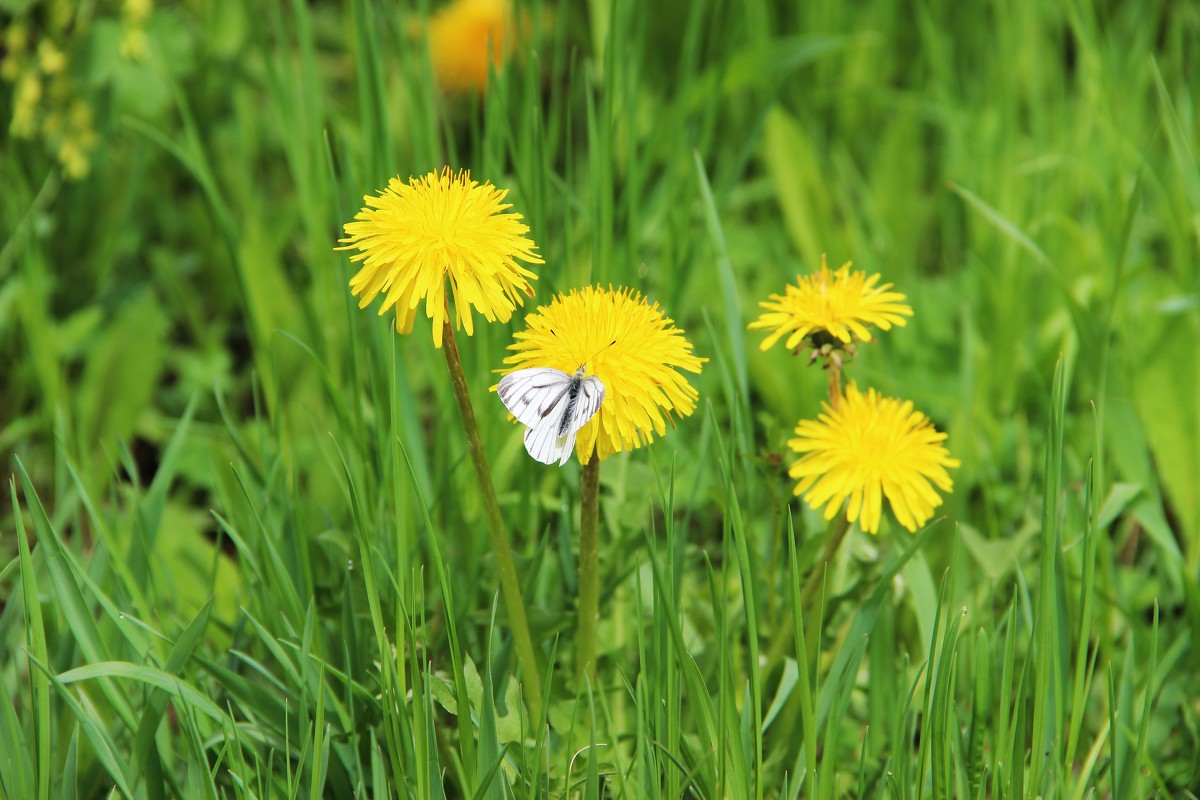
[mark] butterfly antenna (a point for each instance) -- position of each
(572, 355)
(601, 350)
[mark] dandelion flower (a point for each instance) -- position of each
(465, 37)
(633, 349)
(870, 448)
(415, 235)
(841, 303)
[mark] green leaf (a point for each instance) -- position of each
(996, 557)
(151, 676)
(1166, 388)
(1120, 496)
(94, 727)
(15, 7)
(799, 179)
(123, 370)
(144, 748)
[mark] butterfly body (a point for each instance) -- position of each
(553, 405)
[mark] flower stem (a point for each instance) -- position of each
(589, 567)
(509, 585)
(816, 576)
(812, 581)
(833, 537)
(834, 368)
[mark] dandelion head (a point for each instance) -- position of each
(872, 447)
(465, 38)
(840, 303)
(631, 346)
(414, 236)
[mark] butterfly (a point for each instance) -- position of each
(553, 405)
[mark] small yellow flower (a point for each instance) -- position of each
(415, 235)
(870, 448)
(50, 58)
(80, 115)
(26, 97)
(137, 10)
(10, 67)
(466, 36)
(61, 14)
(628, 344)
(841, 303)
(135, 44)
(16, 36)
(72, 156)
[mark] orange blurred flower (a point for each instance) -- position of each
(464, 35)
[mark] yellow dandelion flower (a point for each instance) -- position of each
(870, 448)
(841, 303)
(466, 36)
(628, 344)
(415, 235)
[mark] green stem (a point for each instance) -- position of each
(589, 567)
(834, 367)
(833, 537)
(816, 576)
(510, 587)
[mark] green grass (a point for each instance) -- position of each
(245, 555)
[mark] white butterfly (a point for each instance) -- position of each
(553, 405)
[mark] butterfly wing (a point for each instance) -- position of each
(543, 443)
(532, 395)
(591, 397)
(553, 438)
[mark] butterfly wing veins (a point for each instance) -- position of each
(534, 396)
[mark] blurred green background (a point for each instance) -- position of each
(203, 412)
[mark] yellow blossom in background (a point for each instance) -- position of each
(841, 303)
(870, 448)
(135, 44)
(26, 97)
(16, 41)
(626, 342)
(415, 235)
(50, 58)
(465, 36)
(48, 106)
(73, 159)
(137, 10)
(62, 13)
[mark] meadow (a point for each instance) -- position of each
(250, 549)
